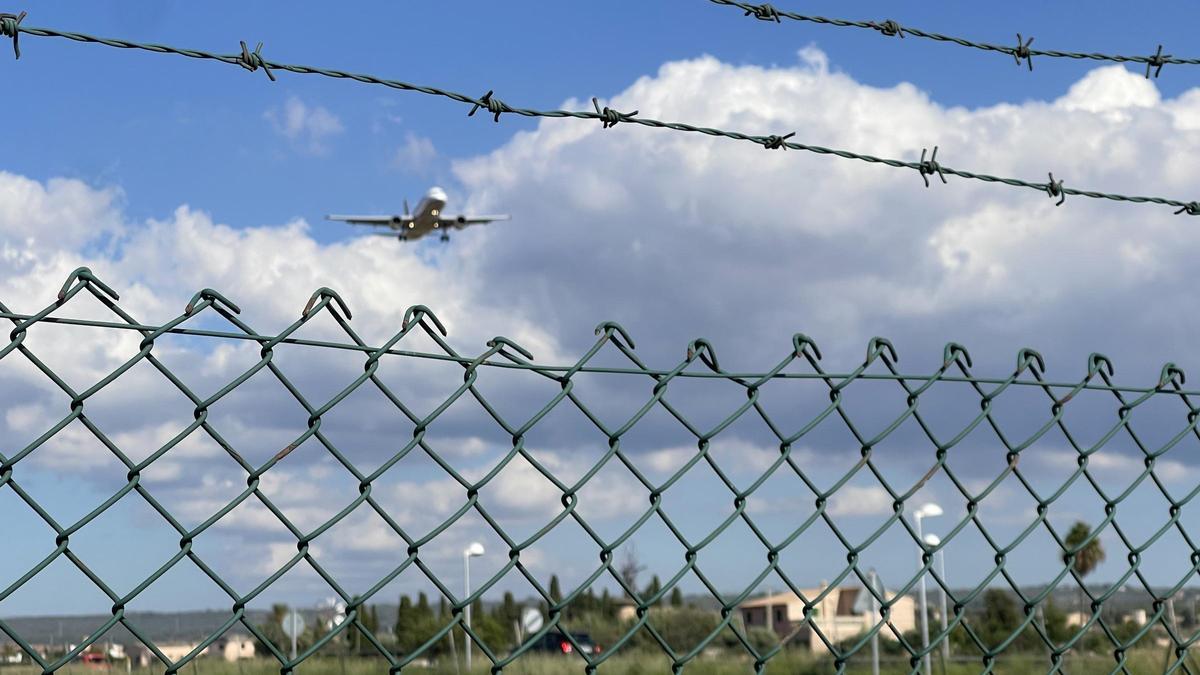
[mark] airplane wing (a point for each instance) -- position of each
(377, 221)
(459, 222)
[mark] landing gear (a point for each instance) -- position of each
(445, 237)
(402, 237)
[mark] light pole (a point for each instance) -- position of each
(473, 551)
(934, 540)
(929, 510)
(876, 587)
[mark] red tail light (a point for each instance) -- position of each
(596, 649)
(565, 647)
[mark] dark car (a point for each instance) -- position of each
(555, 642)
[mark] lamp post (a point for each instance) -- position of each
(934, 540)
(473, 551)
(929, 510)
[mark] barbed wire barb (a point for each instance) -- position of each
(929, 167)
(1157, 62)
(764, 12)
(1021, 52)
(610, 117)
(493, 106)
(1054, 188)
(777, 142)
(10, 26)
(253, 60)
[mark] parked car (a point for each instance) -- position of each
(556, 642)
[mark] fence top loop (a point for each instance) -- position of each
(1171, 374)
(1027, 357)
(608, 328)
(501, 341)
(876, 348)
(323, 293)
(214, 297)
(953, 351)
(704, 349)
(800, 341)
(85, 276)
(419, 313)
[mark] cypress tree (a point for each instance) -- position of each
(676, 597)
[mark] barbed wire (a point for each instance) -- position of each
(11, 26)
(1022, 53)
(790, 429)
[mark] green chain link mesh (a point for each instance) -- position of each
(504, 353)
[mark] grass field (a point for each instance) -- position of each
(1140, 662)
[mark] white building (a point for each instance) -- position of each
(835, 615)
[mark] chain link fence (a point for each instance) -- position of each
(884, 617)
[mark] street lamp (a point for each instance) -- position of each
(473, 551)
(934, 540)
(929, 510)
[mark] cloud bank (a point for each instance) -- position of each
(674, 235)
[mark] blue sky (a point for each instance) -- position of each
(169, 131)
(675, 238)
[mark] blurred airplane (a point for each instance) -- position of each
(426, 219)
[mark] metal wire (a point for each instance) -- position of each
(789, 432)
(1021, 52)
(10, 25)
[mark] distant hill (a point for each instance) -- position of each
(157, 626)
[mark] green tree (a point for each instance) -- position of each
(1000, 616)
(423, 610)
(585, 603)
(496, 635)
(653, 589)
(556, 595)
(606, 604)
(1087, 558)
(1056, 622)
(676, 597)
(407, 629)
(508, 610)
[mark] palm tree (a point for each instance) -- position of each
(1087, 559)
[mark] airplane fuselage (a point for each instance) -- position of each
(425, 218)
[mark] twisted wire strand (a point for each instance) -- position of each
(253, 60)
(1022, 52)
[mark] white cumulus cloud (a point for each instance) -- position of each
(308, 127)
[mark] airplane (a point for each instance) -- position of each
(426, 219)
